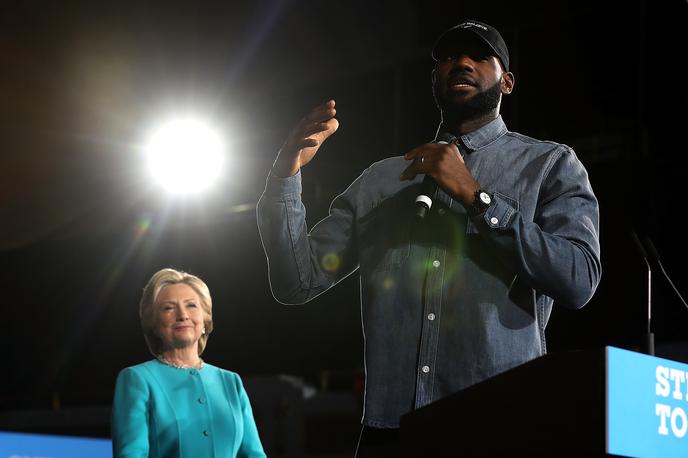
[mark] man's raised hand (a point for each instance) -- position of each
(305, 139)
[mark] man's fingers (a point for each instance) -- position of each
(305, 139)
(312, 134)
(320, 130)
(410, 172)
(318, 121)
(331, 126)
(314, 128)
(431, 149)
(414, 152)
(322, 112)
(305, 143)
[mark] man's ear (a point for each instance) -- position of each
(507, 83)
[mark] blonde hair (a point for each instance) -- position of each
(158, 281)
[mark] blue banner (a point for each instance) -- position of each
(24, 445)
(647, 405)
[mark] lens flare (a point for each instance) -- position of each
(331, 262)
(185, 156)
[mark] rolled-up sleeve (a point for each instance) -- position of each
(557, 252)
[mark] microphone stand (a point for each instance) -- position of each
(655, 257)
(649, 336)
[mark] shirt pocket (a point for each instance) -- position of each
(394, 257)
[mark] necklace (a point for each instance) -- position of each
(167, 362)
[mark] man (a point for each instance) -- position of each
(465, 292)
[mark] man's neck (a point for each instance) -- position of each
(458, 126)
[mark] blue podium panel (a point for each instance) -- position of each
(647, 405)
(14, 445)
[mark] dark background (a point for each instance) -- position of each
(83, 227)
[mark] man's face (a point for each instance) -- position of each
(468, 80)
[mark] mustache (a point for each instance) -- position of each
(461, 78)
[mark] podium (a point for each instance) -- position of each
(588, 403)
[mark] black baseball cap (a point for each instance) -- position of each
(488, 34)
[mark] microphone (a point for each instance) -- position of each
(424, 199)
(427, 193)
(655, 257)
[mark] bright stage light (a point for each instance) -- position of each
(185, 156)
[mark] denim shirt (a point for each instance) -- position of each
(450, 300)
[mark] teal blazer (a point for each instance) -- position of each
(160, 411)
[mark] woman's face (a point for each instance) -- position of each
(179, 316)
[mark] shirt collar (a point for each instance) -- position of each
(478, 138)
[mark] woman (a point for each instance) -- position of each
(176, 405)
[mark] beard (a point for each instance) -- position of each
(479, 105)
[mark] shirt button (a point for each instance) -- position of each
(431, 316)
(435, 263)
(201, 401)
(206, 433)
(192, 372)
(426, 369)
(440, 211)
(494, 220)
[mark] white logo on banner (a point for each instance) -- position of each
(671, 383)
